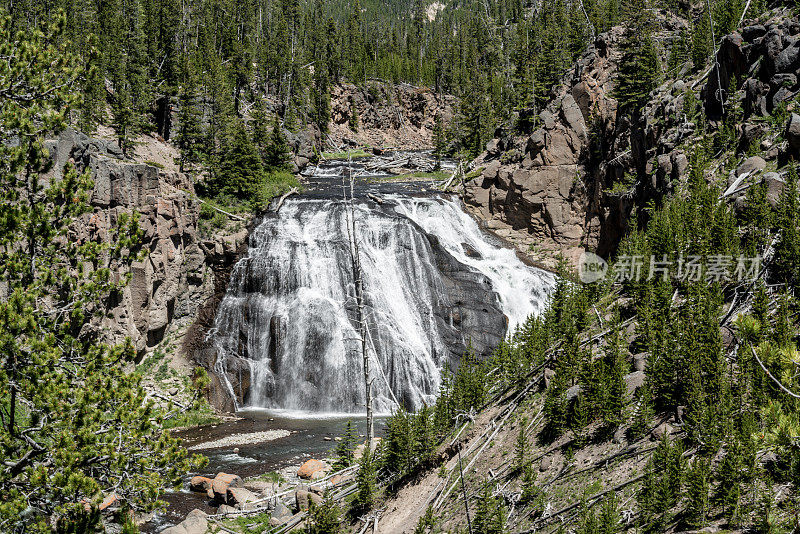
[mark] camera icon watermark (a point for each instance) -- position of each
(591, 268)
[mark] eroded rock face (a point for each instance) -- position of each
(571, 183)
(388, 115)
(168, 282)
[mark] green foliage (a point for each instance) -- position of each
(531, 493)
(787, 249)
(408, 441)
(278, 155)
(240, 171)
(426, 523)
(345, 450)
(74, 425)
(639, 69)
(324, 518)
(661, 487)
(352, 122)
(365, 497)
(698, 478)
(490, 515)
(521, 449)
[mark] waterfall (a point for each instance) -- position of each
(434, 284)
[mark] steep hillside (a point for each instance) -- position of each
(573, 184)
(659, 403)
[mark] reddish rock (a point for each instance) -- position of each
(308, 469)
(222, 482)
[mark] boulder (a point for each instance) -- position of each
(751, 33)
(792, 135)
(225, 509)
(308, 469)
(640, 361)
(222, 482)
(202, 485)
(545, 464)
(195, 522)
(240, 496)
(751, 165)
(303, 498)
(281, 512)
(775, 186)
(634, 381)
(789, 58)
(660, 431)
(109, 501)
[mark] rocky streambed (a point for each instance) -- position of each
(259, 456)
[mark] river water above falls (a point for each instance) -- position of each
(435, 283)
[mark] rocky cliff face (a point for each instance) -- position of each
(571, 184)
(173, 278)
(388, 115)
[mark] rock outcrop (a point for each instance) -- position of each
(170, 280)
(388, 115)
(571, 184)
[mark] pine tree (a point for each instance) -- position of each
(190, 131)
(530, 490)
(490, 514)
(697, 488)
(66, 397)
(643, 416)
(439, 141)
(259, 120)
(352, 123)
(324, 518)
(365, 484)
(278, 153)
(240, 173)
(521, 449)
(700, 41)
(321, 100)
(639, 69)
(609, 519)
(345, 450)
(787, 249)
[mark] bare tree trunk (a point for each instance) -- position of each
(358, 280)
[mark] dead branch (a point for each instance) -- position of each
(292, 191)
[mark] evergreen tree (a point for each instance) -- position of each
(365, 484)
(701, 44)
(490, 515)
(439, 141)
(521, 449)
(530, 490)
(190, 131)
(321, 100)
(74, 426)
(278, 153)
(353, 121)
(324, 518)
(787, 249)
(345, 450)
(240, 173)
(639, 69)
(697, 489)
(259, 120)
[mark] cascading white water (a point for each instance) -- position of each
(523, 291)
(432, 280)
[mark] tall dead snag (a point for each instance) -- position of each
(358, 282)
